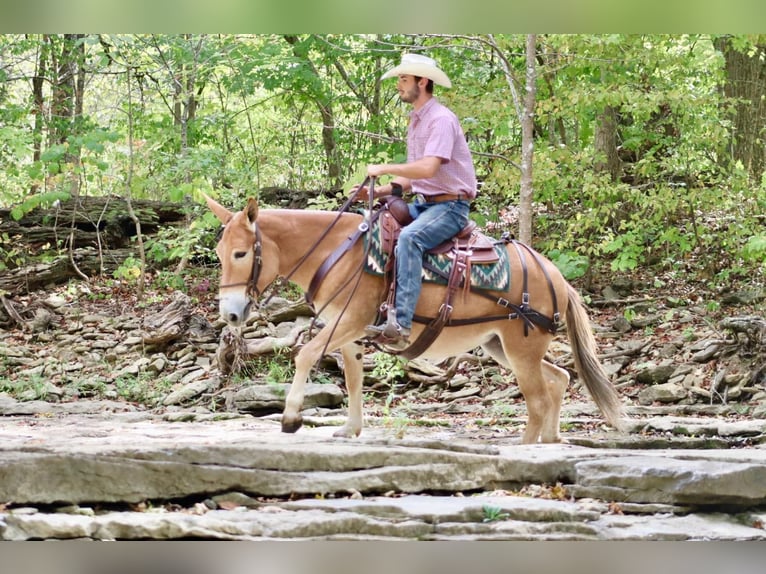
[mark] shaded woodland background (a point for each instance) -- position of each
(649, 150)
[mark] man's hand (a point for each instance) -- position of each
(378, 169)
(364, 192)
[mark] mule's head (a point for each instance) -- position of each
(240, 253)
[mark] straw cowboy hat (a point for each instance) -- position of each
(422, 66)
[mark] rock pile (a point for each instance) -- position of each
(170, 354)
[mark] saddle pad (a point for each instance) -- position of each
(491, 276)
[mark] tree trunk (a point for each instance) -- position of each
(323, 102)
(746, 87)
(38, 105)
(330, 147)
(607, 159)
(550, 64)
(67, 86)
(527, 145)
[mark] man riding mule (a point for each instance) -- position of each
(324, 254)
(259, 245)
(439, 169)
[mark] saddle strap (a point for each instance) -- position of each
(531, 317)
(434, 328)
(335, 256)
(525, 308)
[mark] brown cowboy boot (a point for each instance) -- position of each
(390, 333)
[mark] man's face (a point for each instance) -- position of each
(409, 91)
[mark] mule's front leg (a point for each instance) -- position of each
(292, 419)
(306, 358)
(353, 371)
(343, 337)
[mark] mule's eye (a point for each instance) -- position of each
(240, 254)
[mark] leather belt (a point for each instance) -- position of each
(443, 197)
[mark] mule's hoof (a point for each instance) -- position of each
(346, 432)
(293, 425)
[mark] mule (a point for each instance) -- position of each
(259, 245)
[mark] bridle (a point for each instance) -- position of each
(255, 273)
(252, 284)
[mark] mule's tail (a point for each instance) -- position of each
(587, 364)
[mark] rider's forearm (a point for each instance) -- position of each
(388, 188)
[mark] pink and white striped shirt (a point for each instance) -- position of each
(434, 131)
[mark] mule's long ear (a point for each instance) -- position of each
(252, 210)
(220, 211)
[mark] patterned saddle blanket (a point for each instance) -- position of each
(494, 275)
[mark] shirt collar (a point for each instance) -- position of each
(418, 114)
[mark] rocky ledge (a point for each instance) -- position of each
(113, 472)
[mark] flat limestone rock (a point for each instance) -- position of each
(433, 484)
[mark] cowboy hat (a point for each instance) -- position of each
(422, 66)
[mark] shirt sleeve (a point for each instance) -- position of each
(441, 138)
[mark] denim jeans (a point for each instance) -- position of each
(434, 223)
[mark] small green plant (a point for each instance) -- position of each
(627, 248)
(129, 270)
(690, 334)
(494, 513)
(629, 314)
(755, 249)
(280, 368)
(399, 423)
(712, 306)
(142, 388)
(26, 388)
(503, 411)
(387, 367)
(571, 264)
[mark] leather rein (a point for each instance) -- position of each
(255, 273)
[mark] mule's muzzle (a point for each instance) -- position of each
(235, 310)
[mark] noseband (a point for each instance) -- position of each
(255, 274)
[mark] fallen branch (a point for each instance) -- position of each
(610, 302)
(12, 313)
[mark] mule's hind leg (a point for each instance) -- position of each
(353, 371)
(541, 383)
(557, 381)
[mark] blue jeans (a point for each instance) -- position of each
(434, 223)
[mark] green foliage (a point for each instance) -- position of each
(129, 270)
(143, 388)
(571, 264)
(627, 249)
(387, 367)
(493, 513)
(755, 249)
(11, 256)
(27, 388)
(171, 244)
(38, 200)
(280, 368)
(274, 368)
(306, 112)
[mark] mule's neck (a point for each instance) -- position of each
(292, 235)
